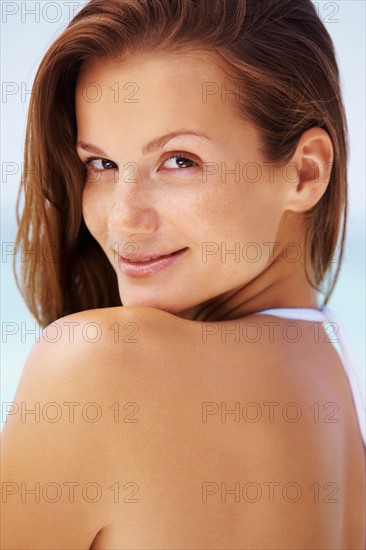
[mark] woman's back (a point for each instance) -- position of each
(236, 439)
(185, 435)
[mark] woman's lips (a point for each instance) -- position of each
(148, 267)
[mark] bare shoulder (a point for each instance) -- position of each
(258, 428)
(278, 393)
(288, 361)
(73, 348)
(70, 398)
(106, 325)
(78, 339)
(257, 358)
(117, 392)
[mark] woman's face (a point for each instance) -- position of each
(204, 189)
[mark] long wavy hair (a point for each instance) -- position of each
(282, 52)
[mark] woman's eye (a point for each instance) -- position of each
(179, 161)
(99, 165)
(175, 162)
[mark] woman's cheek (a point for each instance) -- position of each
(94, 212)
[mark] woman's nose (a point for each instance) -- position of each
(132, 209)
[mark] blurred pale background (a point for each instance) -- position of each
(28, 28)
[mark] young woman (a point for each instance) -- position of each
(187, 160)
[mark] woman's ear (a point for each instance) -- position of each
(313, 160)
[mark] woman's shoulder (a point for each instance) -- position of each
(271, 411)
(278, 393)
(255, 345)
(258, 347)
(114, 393)
(267, 372)
(272, 367)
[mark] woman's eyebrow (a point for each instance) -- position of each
(154, 144)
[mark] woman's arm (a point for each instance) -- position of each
(49, 452)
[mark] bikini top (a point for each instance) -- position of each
(339, 339)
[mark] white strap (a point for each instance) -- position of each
(352, 371)
(303, 313)
(326, 315)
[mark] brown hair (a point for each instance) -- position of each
(279, 48)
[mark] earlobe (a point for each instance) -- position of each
(314, 159)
